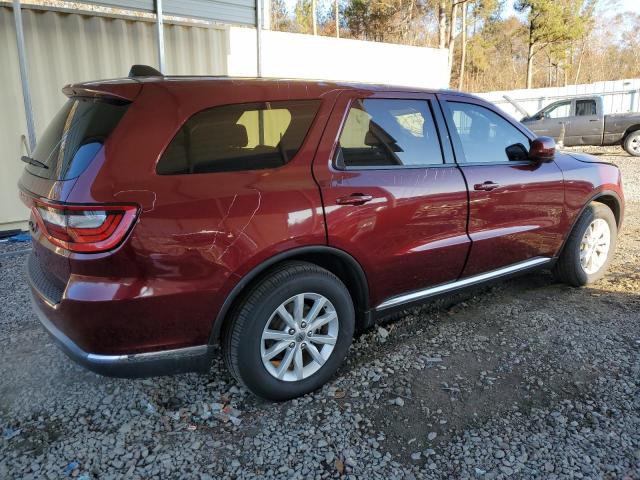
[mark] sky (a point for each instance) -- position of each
(606, 7)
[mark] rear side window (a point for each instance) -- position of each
(74, 136)
(585, 108)
(239, 137)
(387, 132)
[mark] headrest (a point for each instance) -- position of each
(236, 136)
(370, 140)
(480, 128)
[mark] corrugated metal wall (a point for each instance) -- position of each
(241, 12)
(12, 122)
(70, 47)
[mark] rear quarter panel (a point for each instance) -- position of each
(197, 234)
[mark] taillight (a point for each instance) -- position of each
(84, 228)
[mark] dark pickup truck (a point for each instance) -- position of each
(581, 121)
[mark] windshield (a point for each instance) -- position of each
(74, 136)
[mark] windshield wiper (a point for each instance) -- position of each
(33, 161)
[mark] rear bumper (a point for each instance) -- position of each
(121, 338)
(164, 362)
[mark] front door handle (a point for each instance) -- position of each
(354, 199)
(486, 186)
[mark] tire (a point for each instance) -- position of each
(569, 268)
(632, 144)
(244, 345)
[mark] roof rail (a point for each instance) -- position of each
(144, 71)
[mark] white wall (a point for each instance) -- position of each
(618, 95)
(292, 55)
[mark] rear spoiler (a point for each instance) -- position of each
(126, 89)
(122, 89)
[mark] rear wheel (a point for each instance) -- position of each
(291, 332)
(632, 143)
(589, 248)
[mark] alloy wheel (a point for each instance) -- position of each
(299, 337)
(634, 144)
(595, 245)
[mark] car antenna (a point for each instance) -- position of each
(144, 71)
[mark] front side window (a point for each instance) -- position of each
(559, 110)
(485, 136)
(382, 133)
(585, 108)
(239, 137)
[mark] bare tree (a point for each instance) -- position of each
(314, 16)
(452, 29)
(442, 24)
(463, 47)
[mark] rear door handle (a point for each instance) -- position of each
(354, 199)
(486, 186)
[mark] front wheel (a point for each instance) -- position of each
(632, 143)
(291, 332)
(589, 248)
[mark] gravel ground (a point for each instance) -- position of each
(527, 379)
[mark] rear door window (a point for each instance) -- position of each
(239, 137)
(387, 133)
(585, 108)
(74, 136)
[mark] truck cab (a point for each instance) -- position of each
(581, 119)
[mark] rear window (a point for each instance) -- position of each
(585, 108)
(74, 136)
(239, 137)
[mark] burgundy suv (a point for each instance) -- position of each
(278, 217)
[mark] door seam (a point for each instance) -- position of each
(313, 162)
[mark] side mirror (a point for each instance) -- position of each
(543, 149)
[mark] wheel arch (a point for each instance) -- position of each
(630, 130)
(611, 200)
(627, 136)
(337, 261)
(607, 197)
